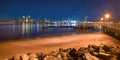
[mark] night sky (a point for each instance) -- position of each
(59, 9)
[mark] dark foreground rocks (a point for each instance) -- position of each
(92, 52)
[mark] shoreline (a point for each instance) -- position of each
(45, 36)
(48, 44)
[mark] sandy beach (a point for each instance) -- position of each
(48, 44)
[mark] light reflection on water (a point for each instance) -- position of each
(21, 31)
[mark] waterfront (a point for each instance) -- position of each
(23, 31)
(59, 30)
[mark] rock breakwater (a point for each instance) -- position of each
(92, 52)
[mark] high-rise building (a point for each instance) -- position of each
(27, 19)
(23, 19)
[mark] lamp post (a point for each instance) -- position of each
(107, 16)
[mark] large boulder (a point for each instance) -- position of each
(50, 57)
(32, 56)
(93, 49)
(90, 57)
(82, 50)
(24, 57)
(17, 57)
(64, 53)
(40, 56)
(106, 49)
(115, 49)
(73, 54)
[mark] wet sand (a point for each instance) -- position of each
(48, 44)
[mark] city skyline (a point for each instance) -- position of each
(59, 9)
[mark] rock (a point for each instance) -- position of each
(92, 52)
(33, 56)
(63, 50)
(50, 57)
(82, 50)
(73, 53)
(106, 48)
(17, 57)
(81, 53)
(59, 57)
(114, 57)
(40, 56)
(95, 53)
(101, 48)
(90, 57)
(64, 55)
(54, 56)
(24, 57)
(81, 56)
(92, 48)
(104, 56)
(115, 49)
(118, 56)
(54, 53)
(60, 50)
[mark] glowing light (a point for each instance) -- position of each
(102, 19)
(73, 21)
(107, 15)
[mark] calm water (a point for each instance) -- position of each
(22, 31)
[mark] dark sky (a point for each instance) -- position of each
(59, 9)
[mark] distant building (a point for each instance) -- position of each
(23, 19)
(26, 19)
(29, 20)
(17, 20)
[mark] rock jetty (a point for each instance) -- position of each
(92, 52)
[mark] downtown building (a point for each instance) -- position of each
(26, 19)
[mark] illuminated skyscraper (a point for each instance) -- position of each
(27, 19)
(23, 19)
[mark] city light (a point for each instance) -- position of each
(107, 16)
(102, 19)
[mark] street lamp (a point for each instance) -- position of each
(107, 16)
